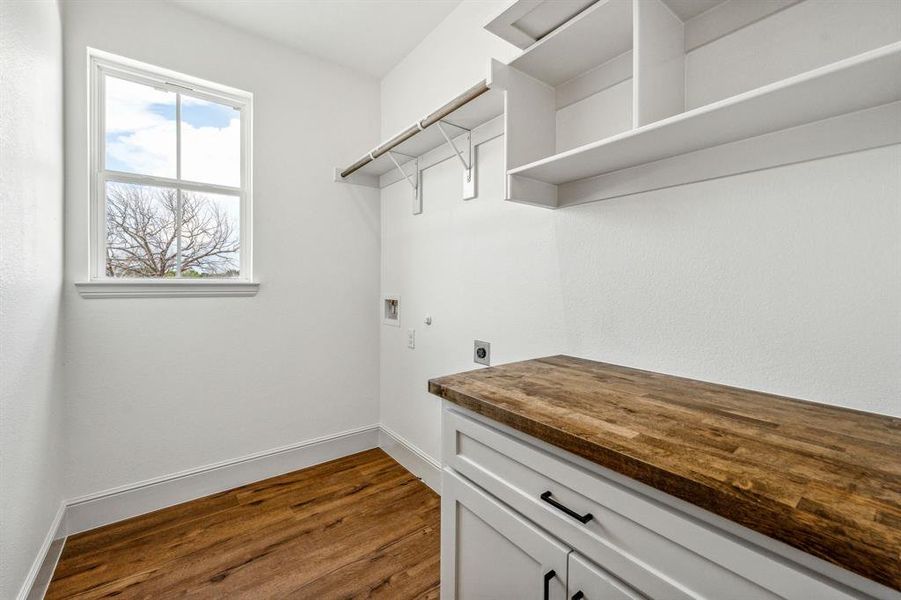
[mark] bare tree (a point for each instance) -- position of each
(142, 234)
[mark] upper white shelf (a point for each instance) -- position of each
(524, 23)
(868, 80)
(469, 116)
(599, 33)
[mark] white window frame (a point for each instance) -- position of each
(101, 64)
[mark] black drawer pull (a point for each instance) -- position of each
(578, 595)
(548, 497)
(547, 583)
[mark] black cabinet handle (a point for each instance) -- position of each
(547, 583)
(578, 595)
(548, 497)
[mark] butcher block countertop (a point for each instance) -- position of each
(823, 479)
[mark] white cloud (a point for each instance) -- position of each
(212, 155)
(128, 105)
(148, 150)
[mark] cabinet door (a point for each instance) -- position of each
(589, 582)
(490, 553)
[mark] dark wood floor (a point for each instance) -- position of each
(357, 527)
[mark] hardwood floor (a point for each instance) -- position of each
(358, 527)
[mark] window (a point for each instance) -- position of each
(170, 183)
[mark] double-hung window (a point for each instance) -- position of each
(170, 183)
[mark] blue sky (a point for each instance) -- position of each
(197, 113)
(207, 114)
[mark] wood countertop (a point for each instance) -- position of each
(824, 479)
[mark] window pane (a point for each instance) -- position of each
(211, 235)
(211, 142)
(140, 129)
(140, 230)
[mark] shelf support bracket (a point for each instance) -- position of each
(469, 175)
(413, 180)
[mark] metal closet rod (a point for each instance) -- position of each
(464, 98)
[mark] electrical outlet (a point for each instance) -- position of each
(481, 353)
(411, 339)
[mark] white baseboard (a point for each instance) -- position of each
(103, 508)
(42, 568)
(411, 457)
(42, 582)
(109, 506)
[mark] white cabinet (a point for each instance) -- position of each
(514, 510)
(611, 98)
(636, 95)
(497, 554)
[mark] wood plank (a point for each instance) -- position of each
(384, 571)
(358, 526)
(821, 478)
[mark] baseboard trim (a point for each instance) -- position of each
(42, 568)
(411, 457)
(110, 506)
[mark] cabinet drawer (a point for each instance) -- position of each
(653, 548)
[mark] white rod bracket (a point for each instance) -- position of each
(414, 181)
(454, 146)
(469, 175)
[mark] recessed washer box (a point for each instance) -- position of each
(391, 310)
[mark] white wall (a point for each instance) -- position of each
(161, 385)
(31, 269)
(452, 58)
(786, 280)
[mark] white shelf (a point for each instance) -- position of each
(469, 116)
(526, 22)
(599, 33)
(865, 81)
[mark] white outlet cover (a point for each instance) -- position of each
(482, 360)
(411, 339)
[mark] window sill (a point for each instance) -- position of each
(165, 289)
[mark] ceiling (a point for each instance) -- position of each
(367, 35)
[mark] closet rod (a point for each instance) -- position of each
(467, 96)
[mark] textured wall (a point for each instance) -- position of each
(31, 269)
